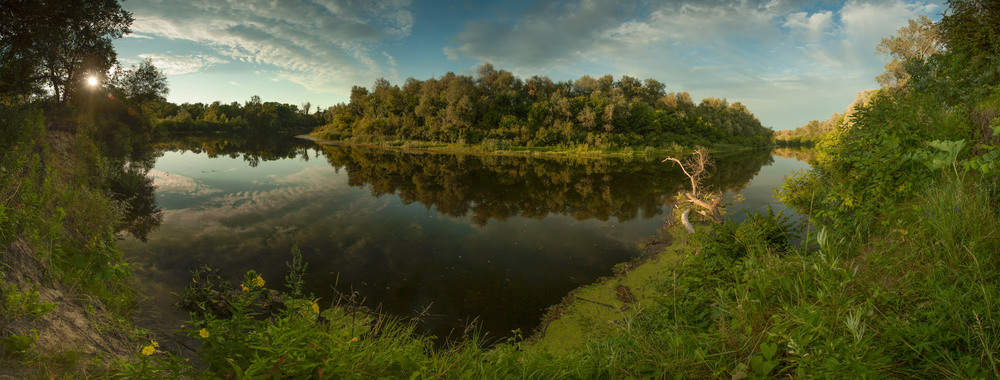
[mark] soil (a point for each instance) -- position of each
(70, 327)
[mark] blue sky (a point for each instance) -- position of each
(788, 61)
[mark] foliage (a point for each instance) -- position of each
(970, 27)
(296, 269)
(917, 41)
(912, 302)
(57, 231)
(498, 110)
(908, 190)
(808, 135)
(141, 83)
(889, 145)
(867, 166)
(252, 117)
(18, 302)
(59, 43)
(731, 241)
(72, 224)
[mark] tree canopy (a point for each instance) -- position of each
(253, 116)
(919, 39)
(142, 83)
(57, 44)
(497, 108)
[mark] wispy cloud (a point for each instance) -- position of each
(558, 33)
(323, 45)
(138, 36)
(182, 64)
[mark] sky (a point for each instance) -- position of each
(788, 61)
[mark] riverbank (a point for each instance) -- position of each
(520, 151)
(65, 292)
(605, 308)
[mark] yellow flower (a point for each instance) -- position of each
(315, 308)
(244, 287)
(148, 350)
(154, 343)
(354, 339)
(259, 281)
(203, 333)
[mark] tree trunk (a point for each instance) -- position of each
(686, 222)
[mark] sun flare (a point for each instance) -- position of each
(92, 81)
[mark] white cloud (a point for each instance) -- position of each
(813, 27)
(323, 45)
(138, 36)
(450, 52)
(182, 64)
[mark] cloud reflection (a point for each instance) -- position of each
(173, 183)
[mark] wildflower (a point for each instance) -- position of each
(148, 350)
(259, 281)
(244, 287)
(315, 308)
(203, 333)
(154, 343)
(354, 339)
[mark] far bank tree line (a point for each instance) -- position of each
(497, 108)
(252, 116)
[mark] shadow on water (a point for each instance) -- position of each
(498, 238)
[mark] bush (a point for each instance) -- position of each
(865, 167)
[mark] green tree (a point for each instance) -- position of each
(972, 27)
(58, 42)
(143, 83)
(918, 40)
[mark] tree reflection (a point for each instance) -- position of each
(252, 148)
(499, 187)
(135, 191)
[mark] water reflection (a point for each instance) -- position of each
(497, 187)
(501, 238)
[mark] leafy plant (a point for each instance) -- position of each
(765, 361)
(296, 269)
(14, 344)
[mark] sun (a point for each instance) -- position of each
(92, 81)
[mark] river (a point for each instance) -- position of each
(453, 238)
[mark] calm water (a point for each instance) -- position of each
(498, 238)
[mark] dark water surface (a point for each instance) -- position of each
(498, 238)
